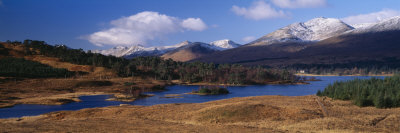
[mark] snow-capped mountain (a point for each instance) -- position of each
(224, 44)
(384, 25)
(318, 41)
(219, 45)
(362, 25)
(120, 50)
(191, 51)
(313, 30)
(139, 50)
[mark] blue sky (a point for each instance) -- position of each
(102, 24)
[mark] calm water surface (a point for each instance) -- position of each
(235, 91)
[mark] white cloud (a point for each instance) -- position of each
(143, 27)
(299, 3)
(258, 10)
(214, 26)
(248, 39)
(371, 17)
(194, 24)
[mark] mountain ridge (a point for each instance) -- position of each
(140, 50)
(316, 29)
(375, 42)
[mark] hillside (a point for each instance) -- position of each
(189, 52)
(19, 51)
(34, 75)
(58, 70)
(252, 55)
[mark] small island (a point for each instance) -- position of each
(210, 90)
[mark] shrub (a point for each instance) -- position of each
(129, 83)
(212, 90)
(381, 93)
(93, 83)
(19, 67)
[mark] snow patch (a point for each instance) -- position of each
(224, 44)
(313, 30)
(139, 50)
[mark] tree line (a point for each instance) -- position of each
(389, 65)
(161, 69)
(19, 67)
(381, 93)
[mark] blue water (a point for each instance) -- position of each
(235, 91)
(31, 109)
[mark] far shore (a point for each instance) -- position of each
(302, 74)
(216, 84)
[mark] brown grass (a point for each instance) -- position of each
(249, 114)
(98, 72)
(182, 55)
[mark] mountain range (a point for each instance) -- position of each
(194, 49)
(317, 41)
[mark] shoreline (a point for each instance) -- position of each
(64, 98)
(315, 75)
(267, 83)
(58, 99)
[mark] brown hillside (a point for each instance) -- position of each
(187, 53)
(18, 52)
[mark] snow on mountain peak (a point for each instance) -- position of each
(384, 25)
(139, 50)
(362, 25)
(313, 30)
(224, 44)
(183, 43)
(132, 51)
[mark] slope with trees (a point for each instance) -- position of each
(381, 93)
(161, 69)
